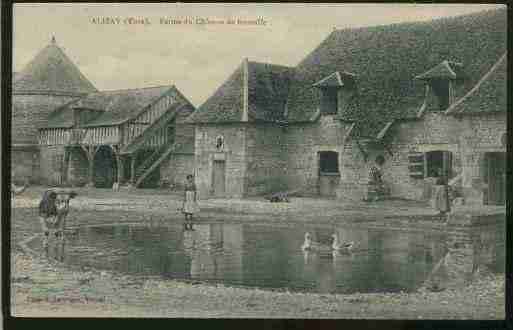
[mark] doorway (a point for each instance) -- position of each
(329, 175)
(495, 177)
(218, 178)
(105, 168)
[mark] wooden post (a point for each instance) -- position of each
(66, 164)
(119, 163)
(90, 173)
(132, 169)
(90, 153)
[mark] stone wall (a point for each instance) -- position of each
(31, 111)
(78, 168)
(25, 165)
(302, 144)
(260, 156)
(233, 153)
(175, 170)
(479, 134)
(266, 158)
(435, 131)
(467, 138)
(52, 165)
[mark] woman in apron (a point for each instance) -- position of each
(190, 204)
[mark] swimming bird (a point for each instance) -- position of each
(336, 245)
(310, 245)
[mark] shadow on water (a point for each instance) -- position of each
(272, 258)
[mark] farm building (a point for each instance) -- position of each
(428, 97)
(77, 135)
(50, 80)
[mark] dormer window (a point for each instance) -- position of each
(441, 79)
(335, 89)
(329, 101)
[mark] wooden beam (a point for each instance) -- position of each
(362, 150)
(132, 168)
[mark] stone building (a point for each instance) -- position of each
(50, 80)
(81, 136)
(427, 96)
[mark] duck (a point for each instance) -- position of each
(310, 245)
(337, 246)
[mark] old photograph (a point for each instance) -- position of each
(292, 161)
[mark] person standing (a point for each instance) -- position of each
(376, 187)
(190, 204)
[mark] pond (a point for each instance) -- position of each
(271, 257)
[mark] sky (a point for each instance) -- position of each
(196, 57)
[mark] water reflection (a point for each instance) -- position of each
(270, 257)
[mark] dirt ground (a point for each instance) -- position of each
(42, 287)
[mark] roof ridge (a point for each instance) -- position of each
(405, 23)
(130, 89)
(484, 78)
(269, 63)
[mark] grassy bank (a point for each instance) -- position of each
(45, 288)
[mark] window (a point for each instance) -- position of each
(328, 162)
(329, 101)
(441, 88)
(430, 164)
(170, 133)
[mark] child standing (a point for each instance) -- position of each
(190, 204)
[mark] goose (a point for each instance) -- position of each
(310, 245)
(346, 246)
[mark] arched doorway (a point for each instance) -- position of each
(105, 168)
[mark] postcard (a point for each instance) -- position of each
(342, 161)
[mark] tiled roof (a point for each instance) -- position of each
(387, 58)
(268, 87)
(116, 106)
(267, 94)
(336, 79)
(120, 105)
(488, 95)
(225, 105)
(62, 117)
(52, 72)
(445, 69)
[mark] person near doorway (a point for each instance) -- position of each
(441, 195)
(190, 204)
(376, 189)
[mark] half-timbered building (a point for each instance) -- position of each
(77, 135)
(118, 136)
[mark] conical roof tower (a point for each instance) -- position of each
(52, 72)
(49, 81)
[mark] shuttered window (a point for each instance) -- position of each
(416, 165)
